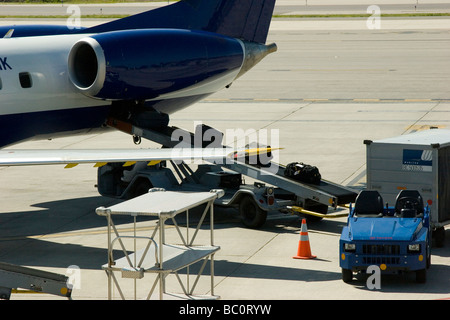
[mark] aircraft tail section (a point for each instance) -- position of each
(248, 20)
(244, 19)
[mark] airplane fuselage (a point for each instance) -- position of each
(55, 81)
(36, 95)
(39, 98)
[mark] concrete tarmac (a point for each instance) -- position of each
(282, 7)
(323, 92)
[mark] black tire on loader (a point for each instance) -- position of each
(252, 216)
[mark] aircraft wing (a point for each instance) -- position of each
(73, 157)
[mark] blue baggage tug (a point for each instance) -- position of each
(396, 239)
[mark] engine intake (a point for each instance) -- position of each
(87, 66)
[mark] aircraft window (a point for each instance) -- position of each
(25, 80)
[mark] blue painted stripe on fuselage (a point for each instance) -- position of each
(48, 124)
(15, 128)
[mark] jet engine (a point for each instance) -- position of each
(153, 63)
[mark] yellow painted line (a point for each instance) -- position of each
(419, 127)
(366, 100)
(418, 100)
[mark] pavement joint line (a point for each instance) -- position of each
(286, 116)
(423, 116)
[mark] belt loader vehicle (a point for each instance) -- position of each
(271, 190)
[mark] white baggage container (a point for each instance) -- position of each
(417, 161)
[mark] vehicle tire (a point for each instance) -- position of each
(439, 235)
(252, 216)
(428, 256)
(347, 275)
(141, 187)
(421, 276)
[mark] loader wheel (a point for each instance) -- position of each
(141, 187)
(252, 215)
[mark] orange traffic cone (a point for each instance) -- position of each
(304, 250)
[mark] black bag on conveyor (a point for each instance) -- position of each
(303, 172)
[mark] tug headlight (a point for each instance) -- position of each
(349, 247)
(414, 247)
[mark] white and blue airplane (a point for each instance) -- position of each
(56, 81)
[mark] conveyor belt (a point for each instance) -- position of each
(326, 192)
(14, 276)
(343, 194)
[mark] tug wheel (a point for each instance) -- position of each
(421, 276)
(347, 275)
(439, 235)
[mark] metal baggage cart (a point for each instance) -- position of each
(158, 256)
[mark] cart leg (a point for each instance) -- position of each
(212, 274)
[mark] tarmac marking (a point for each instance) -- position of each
(366, 100)
(266, 100)
(358, 100)
(80, 233)
(419, 127)
(312, 100)
(418, 100)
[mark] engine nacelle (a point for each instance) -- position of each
(153, 63)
